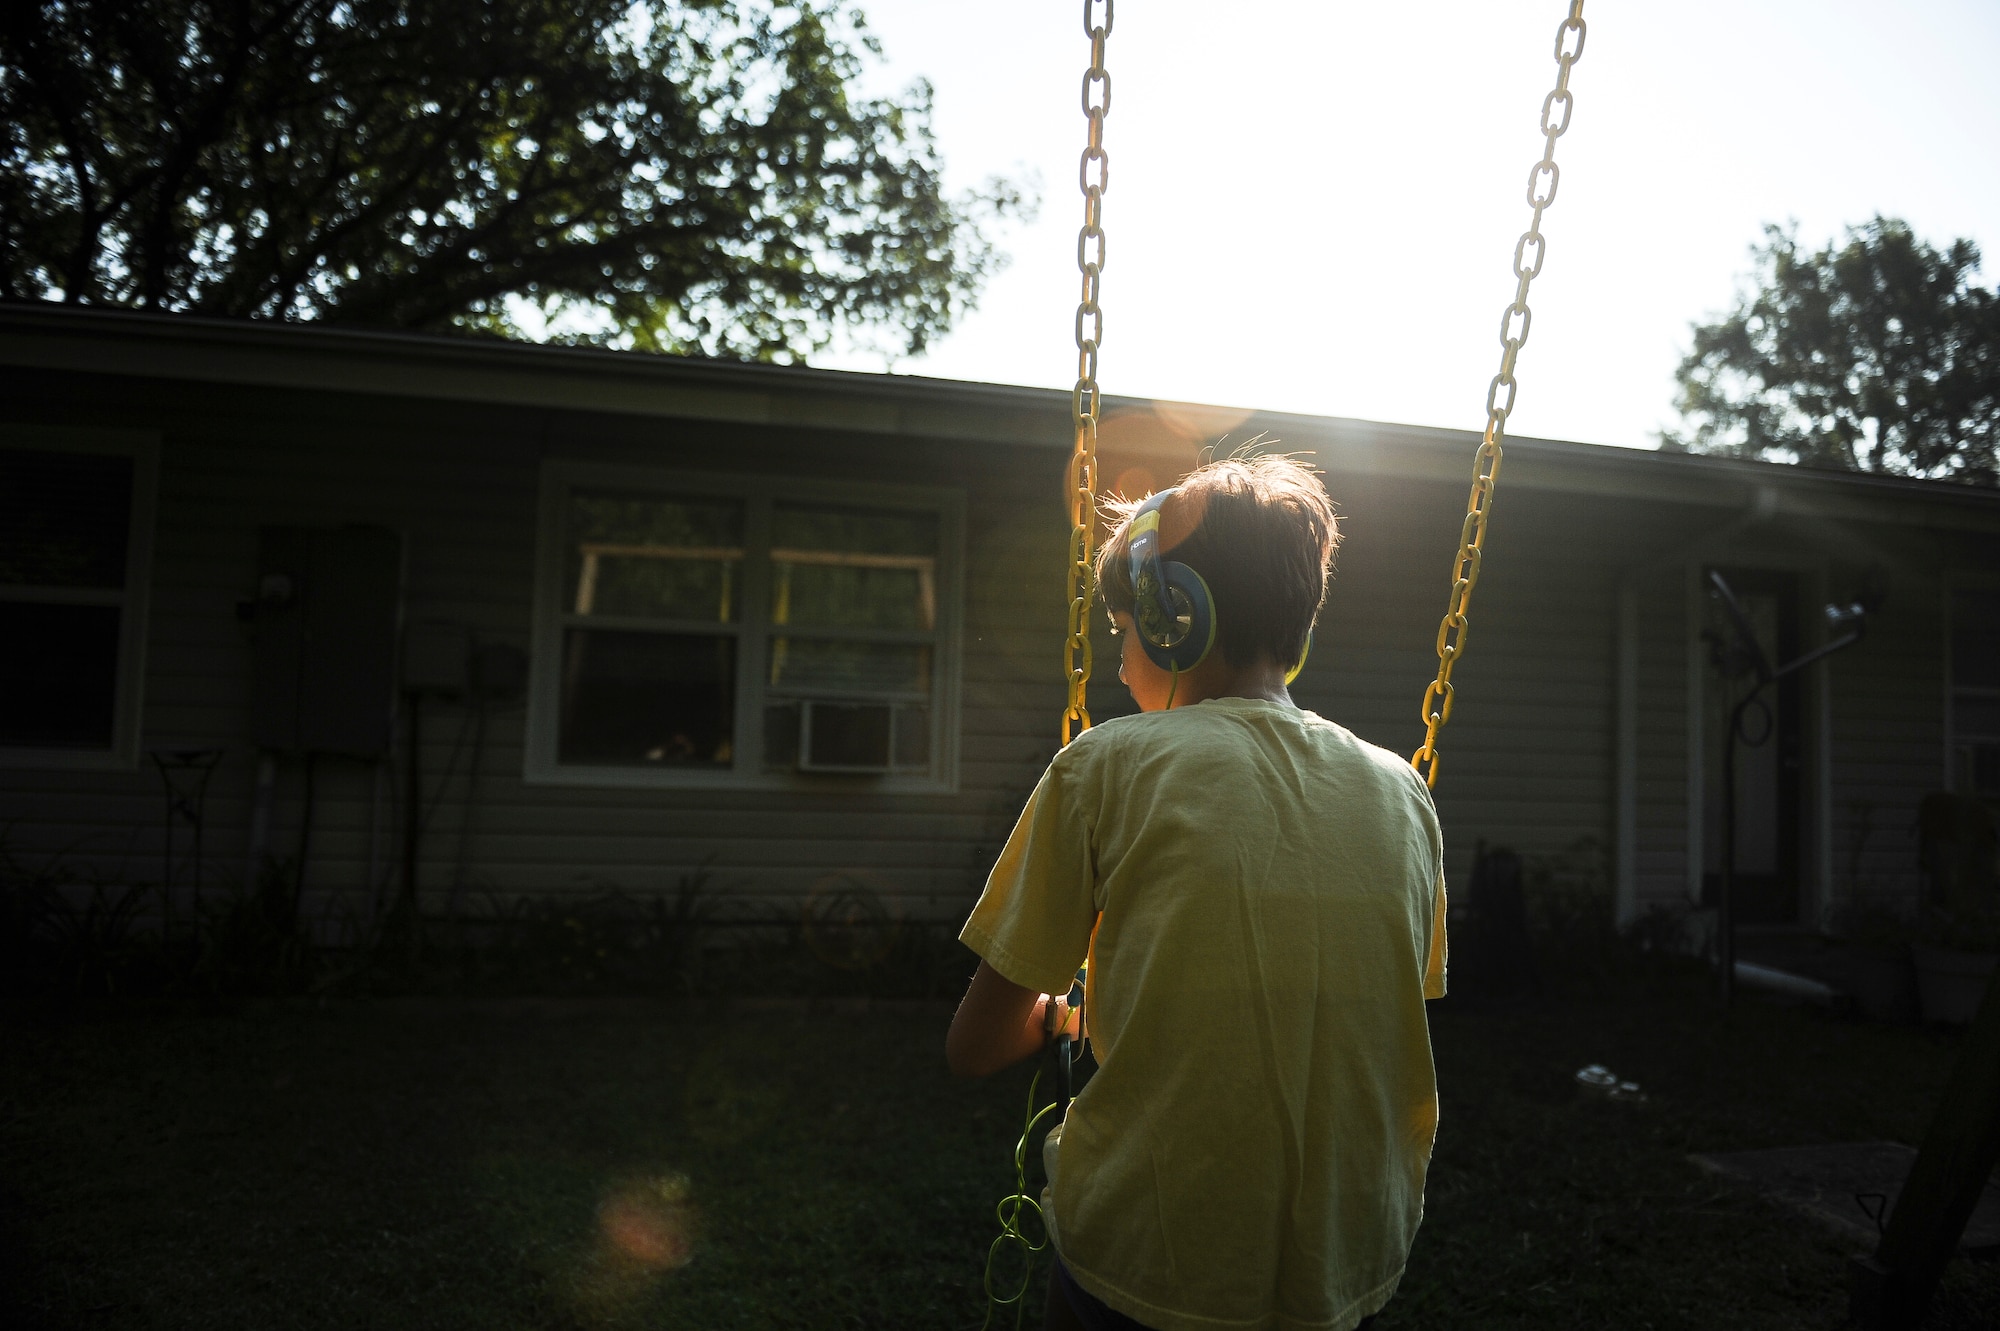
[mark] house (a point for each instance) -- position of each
(502, 619)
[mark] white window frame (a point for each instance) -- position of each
(752, 629)
(143, 447)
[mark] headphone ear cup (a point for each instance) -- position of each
(1193, 649)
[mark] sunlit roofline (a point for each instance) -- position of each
(438, 367)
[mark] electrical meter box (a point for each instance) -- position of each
(324, 627)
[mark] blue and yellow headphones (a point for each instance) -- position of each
(1171, 604)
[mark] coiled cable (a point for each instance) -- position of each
(1009, 1212)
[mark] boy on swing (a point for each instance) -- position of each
(1260, 898)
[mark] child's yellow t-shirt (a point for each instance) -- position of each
(1260, 895)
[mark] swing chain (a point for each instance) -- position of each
(1529, 252)
(1093, 177)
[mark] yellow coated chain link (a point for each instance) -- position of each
(1093, 175)
(1528, 255)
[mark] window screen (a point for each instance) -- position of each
(854, 617)
(652, 593)
(648, 698)
(651, 558)
(58, 675)
(65, 521)
(64, 518)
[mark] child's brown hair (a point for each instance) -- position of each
(1261, 532)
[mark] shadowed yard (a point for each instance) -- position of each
(606, 1163)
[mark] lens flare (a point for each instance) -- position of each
(649, 1223)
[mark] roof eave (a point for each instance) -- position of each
(375, 362)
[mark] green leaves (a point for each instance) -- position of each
(1882, 356)
(679, 177)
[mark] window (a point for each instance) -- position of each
(1975, 690)
(651, 602)
(696, 630)
(75, 510)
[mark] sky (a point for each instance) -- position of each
(1313, 206)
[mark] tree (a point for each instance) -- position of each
(1881, 356)
(672, 176)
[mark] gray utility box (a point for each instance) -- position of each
(324, 626)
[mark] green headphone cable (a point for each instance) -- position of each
(1009, 1211)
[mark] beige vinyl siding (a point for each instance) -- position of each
(460, 484)
(1661, 851)
(1527, 755)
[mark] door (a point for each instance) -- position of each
(1768, 749)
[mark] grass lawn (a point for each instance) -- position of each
(405, 1164)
